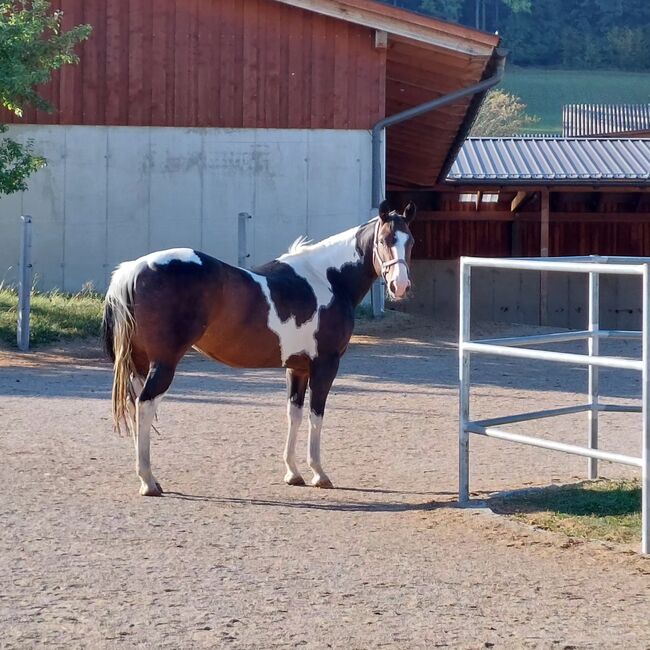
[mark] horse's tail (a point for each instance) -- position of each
(118, 326)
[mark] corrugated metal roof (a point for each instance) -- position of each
(601, 119)
(563, 160)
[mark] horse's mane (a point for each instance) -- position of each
(301, 243)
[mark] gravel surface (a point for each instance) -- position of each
(231, 557)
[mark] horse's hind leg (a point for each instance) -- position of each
(137, 384)
(156, 384)
(296, 388)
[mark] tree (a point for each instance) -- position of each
(502, 114)
(446, 9)
(32, 45)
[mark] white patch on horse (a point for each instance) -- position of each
(310, 262)
(120, 290)
(294, 338)
(320, 479)
(160, 258)
(294, 416)
(145, 414)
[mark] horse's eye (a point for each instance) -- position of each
(382, 241)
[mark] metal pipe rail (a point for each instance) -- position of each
(594, 266)
(560, 337)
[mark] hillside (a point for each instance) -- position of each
(545, 91)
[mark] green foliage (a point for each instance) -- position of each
(17, 163)
(502, 114)
(560, 33)
(32, 45)
(580, 34)
(519, 5)
(446, 9)
(54, 316)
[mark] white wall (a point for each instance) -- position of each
(110, 194)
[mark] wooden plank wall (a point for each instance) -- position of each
(216, 63)
(445, 240)
(589, 223)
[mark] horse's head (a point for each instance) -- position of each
(392, 247)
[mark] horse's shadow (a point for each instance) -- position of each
(332, 506)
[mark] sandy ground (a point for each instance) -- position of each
(231, 557)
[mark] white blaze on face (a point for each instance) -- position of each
(398, 275)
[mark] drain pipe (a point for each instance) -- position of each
(377, 294)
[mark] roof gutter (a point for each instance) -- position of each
(450, 98)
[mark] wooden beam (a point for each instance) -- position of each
(465, 215)
(406, 24)
(381, 39)
(477, 201)
(544, 241)
(544, 223)
(519, 200)
(529, 217)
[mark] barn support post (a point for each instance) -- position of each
(378, 158)
(242, 240)
(593, 348)
(544, 246)
(25, 283)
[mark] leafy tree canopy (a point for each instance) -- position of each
(502, 114)
(578, 34)
(32, 45)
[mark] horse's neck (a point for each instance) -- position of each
(337, 261)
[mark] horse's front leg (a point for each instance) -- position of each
(296, 388)
(322, 375)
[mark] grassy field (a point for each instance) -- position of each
(605, 510)
(546, 91)
(55, 316)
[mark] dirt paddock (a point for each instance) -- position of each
(231, 557)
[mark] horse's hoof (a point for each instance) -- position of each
(159, 487)
(322, 482)
(146, 491)
(293, 479)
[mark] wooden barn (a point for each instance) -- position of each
(183, 114)
(514, 197)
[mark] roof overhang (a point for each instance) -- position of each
(399, 23)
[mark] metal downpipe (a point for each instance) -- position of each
(377, 293)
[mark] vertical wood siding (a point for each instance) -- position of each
(446, 240)
(215, 63)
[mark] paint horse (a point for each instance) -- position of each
(296, 312)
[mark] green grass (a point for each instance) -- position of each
(545, 91)
(604, 510)
(54, 316)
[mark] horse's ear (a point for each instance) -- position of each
(384, 211)
(409, 212)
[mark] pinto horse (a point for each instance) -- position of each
(296, 312)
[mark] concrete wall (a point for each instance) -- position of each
(514, 296)
(110, 194)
